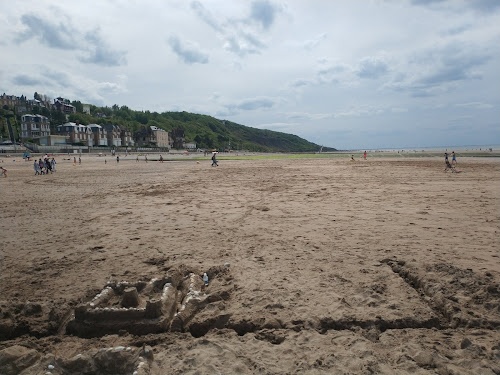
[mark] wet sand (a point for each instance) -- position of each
(387, 265)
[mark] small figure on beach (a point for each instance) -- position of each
(41, 165)
(53, 164)
(74, 160)
(36, 166)
(453, 158)
(48, 166)
(137, 158)
(79, 160)
(214, 159)
(364, 155)
(4, 171)
(446, 157)
(161, 159)
(352, 158)
(146, 158)
(117, 158)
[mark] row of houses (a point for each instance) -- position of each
(91, 135)
(37, 127)
(22, 104)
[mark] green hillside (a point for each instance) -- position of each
(208, 132)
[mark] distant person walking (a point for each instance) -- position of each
(446, 157)
(137, 158)
(53, 163)
(79, 160)
(214, 160)
(146, 158)
(36, 166)
(453, 158)
(364, 155)
(41, 165)
(161, 159)
(48, 166)
(117, 158)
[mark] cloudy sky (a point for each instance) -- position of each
(346, 74)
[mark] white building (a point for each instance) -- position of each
(99, 135)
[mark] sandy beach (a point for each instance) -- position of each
(316, 266)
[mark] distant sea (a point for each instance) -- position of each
(438, 148)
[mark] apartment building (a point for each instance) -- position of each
(99, 136)
(76, 133)
(113, 134)
(126, 136)
(151, 136)
(34, 126)
(63, 105)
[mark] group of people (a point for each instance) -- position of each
(447, 161)
(453, 158)
(352, 157)
(44, 166)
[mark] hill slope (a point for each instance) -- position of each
(205, 131)
(209, 132)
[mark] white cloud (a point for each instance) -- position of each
(314, 42)
(476, 105)
(61, 34)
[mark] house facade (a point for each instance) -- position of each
(34, 126)
(113, 134)
(126, 136)
(9, 100)
(63, 105)
(151, 136)
(99, 136)
(177, 138)
(75, 132)
(21, 103)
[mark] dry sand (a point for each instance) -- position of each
(387, 265)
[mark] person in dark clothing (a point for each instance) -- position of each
(48, 166)
(41, 165)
